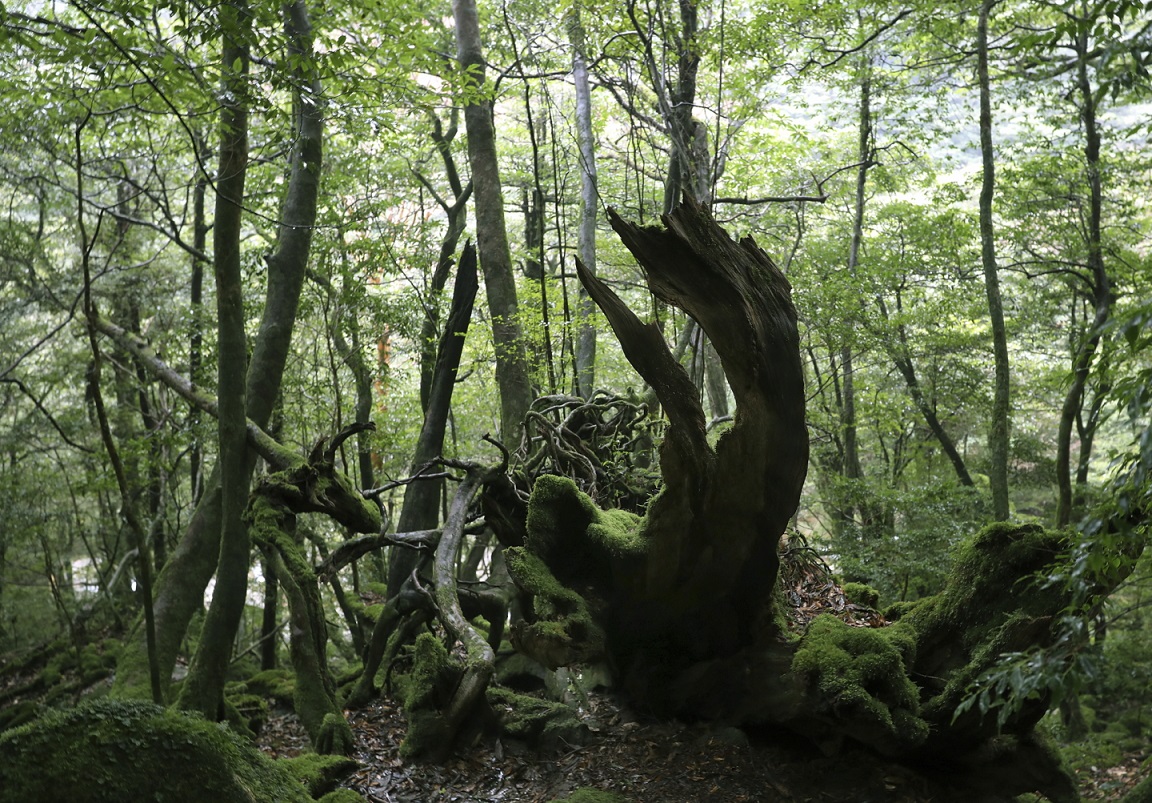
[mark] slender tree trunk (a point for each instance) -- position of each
(180, 588)
(999, 431)
(203, 689)
(491, 231)
(903, 361)
(421, 498)
(852, 468)
(268, 627)
(196, 339)
(1085, 352)
(586, 236)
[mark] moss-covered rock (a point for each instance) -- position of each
(858, 685)
(108, 750)
(279, 684)
(248, 722)
(862, 594)
(541, 723)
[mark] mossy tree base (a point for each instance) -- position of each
(682, 602)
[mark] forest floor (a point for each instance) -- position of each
(645, 762)
(641, 760)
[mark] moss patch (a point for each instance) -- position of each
(425, 692)
(541, 723)
(862, 594)
(563, 630)
(989, 605)
(858, 684)
(279, 684)
(319, 774)
(108, 750)
(566, 529)
(588, 795)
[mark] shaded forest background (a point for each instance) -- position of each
(247, 340)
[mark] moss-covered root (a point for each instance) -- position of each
(540, 723)
(114, 750)
(315, 699)
(857, 685)
(425, 692)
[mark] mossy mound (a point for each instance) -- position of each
(279, 684)
(110, 750)
(425, 692)
(990, 605)
(566, 529)
(564, 630)
(858, 684)
(862, 594)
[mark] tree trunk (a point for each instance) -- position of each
(422, 497)
(203, 689)
(491, 232)
(585, 352)
(697, 584)
(999, 431)
(682, 602)
(1085, 351)
(180, 588)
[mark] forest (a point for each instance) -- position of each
(522, 401)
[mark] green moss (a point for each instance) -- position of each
(425, 691)
(280, 684)
(542, 723)
(251, 710)
(586, 794)
(15, 715)
(897, 610)
(564, 630)
(319, 774)
(858, 683)
(343, 796)
(617, 532)
(572, 535)
(990, 605)
(862, 594)
(107, 750)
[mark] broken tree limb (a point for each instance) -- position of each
(277, 455)
(479, 658)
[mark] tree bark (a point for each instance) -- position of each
(999, 431)
(421, 509)
(422, 497)
(491, 232)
